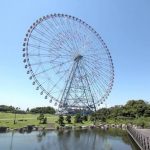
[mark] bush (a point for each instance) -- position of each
(61, 120)
(43, 120)
(85, 118)
(78, 118)
(68, 118)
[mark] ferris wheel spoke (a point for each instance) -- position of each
(75, 43)
(80, 36)
(39, 47)
(105, 59)
(55, 32)
(62, 32)
(38, 55)
(35, 38)
(63, 36)
(103, 79)
(48, 44)
(51, 27)
(94, 52)
(47, 29)
(65, 30)
(68, 37)
(100, 89)
(98, 63)
(45, 62)
(102, 66)
(95, 79)
(46, 70)
(91, 79)
(57, 42)
(45, 81)
(87, 74)
(86, 32)
(56, 84)
(46, 49)
(97, 72)
(68, 47)
(43, 34)
(69, 62)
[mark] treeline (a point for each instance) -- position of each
(11, 109)
(4, 108)
(132, 109)
(44, 110)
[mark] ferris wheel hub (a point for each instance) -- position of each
(78, 57)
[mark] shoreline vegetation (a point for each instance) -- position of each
(134, 112)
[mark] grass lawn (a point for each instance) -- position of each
(7, 120)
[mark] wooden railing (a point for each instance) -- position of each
(142, 141)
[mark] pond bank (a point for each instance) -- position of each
(30, 128)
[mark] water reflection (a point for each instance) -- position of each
(41, 135)
(11, 143)
(95, 139)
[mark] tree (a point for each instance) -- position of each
(61, 120)
(28, 110)
(147, 113)
(40, 117)
(85, 118)
(78, 118)
(43, 120)
(136, 108)
(132, 109)
(68, 118)
(44, 110)
(4, 108)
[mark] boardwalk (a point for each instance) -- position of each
(145, 132)
(141, 137)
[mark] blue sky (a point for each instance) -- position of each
(123, 25)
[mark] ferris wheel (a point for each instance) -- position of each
(68, 62)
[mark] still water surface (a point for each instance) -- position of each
(96, 139)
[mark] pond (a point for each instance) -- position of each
(87, 139)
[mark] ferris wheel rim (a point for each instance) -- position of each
(27, 59)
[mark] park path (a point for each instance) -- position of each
(140, 136)
(145, 132)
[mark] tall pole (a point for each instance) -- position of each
(15, 114)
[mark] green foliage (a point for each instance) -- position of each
(4, 108)
(98, 116)
(85, 118)
(28, 110)
(50, 110)
(44, 110)
(43, 120)
(68, 119)
(61, 120)
(78, 118)
(132, 109)
(147, 113)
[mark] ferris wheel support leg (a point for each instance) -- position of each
(68, 84)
